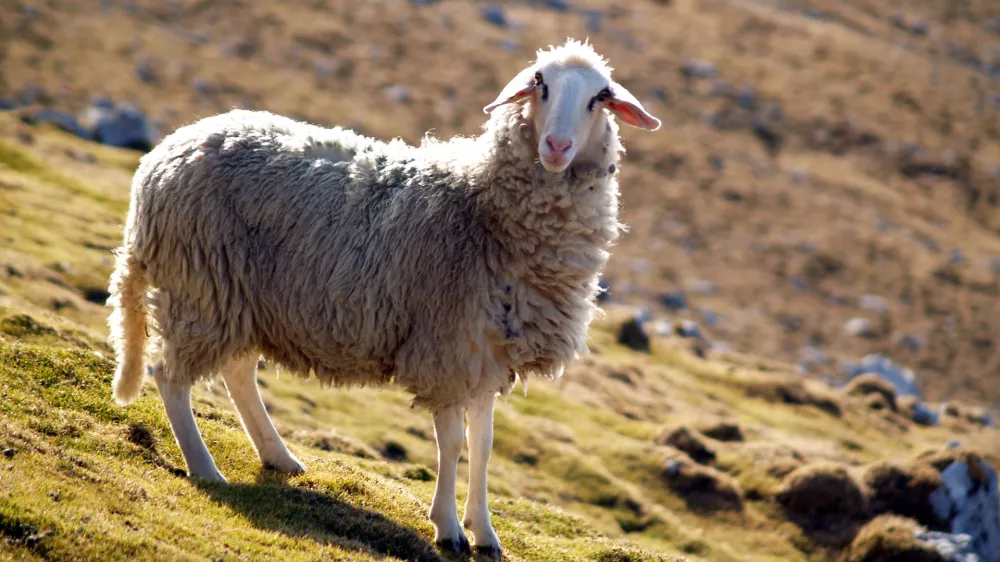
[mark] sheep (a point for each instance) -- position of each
(452, 269)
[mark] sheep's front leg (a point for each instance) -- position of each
(448, 429)
(177, 402)
(240, 376)
(477, 512)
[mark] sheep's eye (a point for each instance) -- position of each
(538, 79)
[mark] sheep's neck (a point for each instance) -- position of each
(545, 216)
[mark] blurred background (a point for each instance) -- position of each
(826, 184)
(822, 201)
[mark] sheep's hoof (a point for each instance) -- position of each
(288, 465)
(215, 476)
(455, 546)
(491, 552)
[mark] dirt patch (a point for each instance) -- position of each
(141, 436)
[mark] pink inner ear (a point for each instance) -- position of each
(632, 114)
(520, 94)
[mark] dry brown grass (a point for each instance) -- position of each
(825, 500)
(890, 538)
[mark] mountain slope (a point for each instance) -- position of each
(586, 468)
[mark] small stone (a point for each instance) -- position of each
(399, 94)
(144, 72)
(687, 329)
(911, 342)
(873, 303)
(494, 14)
(9, 453)
(674, 300)
(747, 98)
(702, 287)
(203, 86)
(814, 14)
(121, 125)
(61, 120)
(559, 5)
(712, 319)
(859, 327)
(698, 69)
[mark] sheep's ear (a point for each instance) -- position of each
(625, 107)
(520, 86)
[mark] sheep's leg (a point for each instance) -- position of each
(240, 376)
(177, 402)
(449, 425)
(477, 512)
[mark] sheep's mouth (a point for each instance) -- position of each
(554, 163)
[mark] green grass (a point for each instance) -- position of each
(575, 474)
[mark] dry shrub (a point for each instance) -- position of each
(971, 414)
(689, 441)
(890, 538)
(904, 489)
(822, 497)
(796, 392)
(723, 431)
(870, 384)
(941, 459)
(703, 488)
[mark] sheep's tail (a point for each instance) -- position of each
(128, 325)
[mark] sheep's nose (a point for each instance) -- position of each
(558, 145)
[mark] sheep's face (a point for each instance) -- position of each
(567, 101)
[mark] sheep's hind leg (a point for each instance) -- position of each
(449, 425)
(477, 513)
(240, 376)
(177, 402)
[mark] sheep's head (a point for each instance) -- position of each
(567, 89)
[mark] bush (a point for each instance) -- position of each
(890, 538)
(703, 488)
(723, 431)
(904, 490)
(689, 441)
(822, 496)
(870, 384)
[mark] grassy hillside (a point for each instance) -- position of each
(589, 468)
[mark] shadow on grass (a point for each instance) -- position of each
(298, 512)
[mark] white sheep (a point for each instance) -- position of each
(449, 269)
